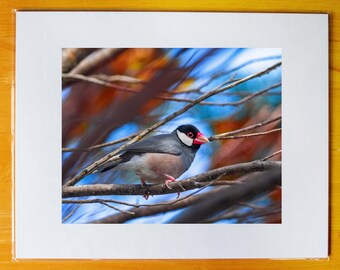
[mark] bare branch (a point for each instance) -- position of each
(72, 56)
(258, 184)
(117, 78)
(70, 213)
(247, 135)
(272, 155)
(92, 61)
(188, 184)
(149, 211)
(100, 201)
(87, 201)
(96, 80)
(224, 73)
(138, 205)
(246, 129)
(259, 212)
(100, 145)
(236, 93)
(237, 103)
(113, 207)
(92, 167)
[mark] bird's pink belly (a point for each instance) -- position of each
(158, 165)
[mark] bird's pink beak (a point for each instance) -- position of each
(200, 139)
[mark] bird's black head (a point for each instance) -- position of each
(190, 136)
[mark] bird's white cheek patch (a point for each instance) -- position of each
(184, 138)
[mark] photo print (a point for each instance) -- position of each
(171, 135)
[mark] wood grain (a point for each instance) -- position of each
(7, 49)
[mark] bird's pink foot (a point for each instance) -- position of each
(170, 180)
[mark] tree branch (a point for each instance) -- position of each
(72, 56)
(136, 205)
(246, 129)
(92, 61)
(96, 80)
(178, 186)
(118, 78)
(259, 184)
(92, 167)
(100, 145)
(272, 155)
(249, 135)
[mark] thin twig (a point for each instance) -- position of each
(72, 56)
(237, 103)
(250, 205)
(224, 73)
(115, 208)
(98, 58)
(246, 129)
(103, 202)
(86, 201)
(99, 82)
(70, 214)
(249, 135)
(236, 93)
(117, 78)
(270, 156)
(255, 213)
(94, 79)
(100, 145)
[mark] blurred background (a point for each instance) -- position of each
(109, 94)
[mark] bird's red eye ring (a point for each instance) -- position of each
(190, 134)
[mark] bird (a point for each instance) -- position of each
(160, 158)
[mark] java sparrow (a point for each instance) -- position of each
(162, 157)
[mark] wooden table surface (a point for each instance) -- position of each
(7, 58)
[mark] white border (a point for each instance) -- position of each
(304, 42)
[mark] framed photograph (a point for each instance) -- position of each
(157, 135)
(167, 136)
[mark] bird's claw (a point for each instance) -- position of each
(167, 183)
(170, 180)
(147, 192)
(178, 194)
